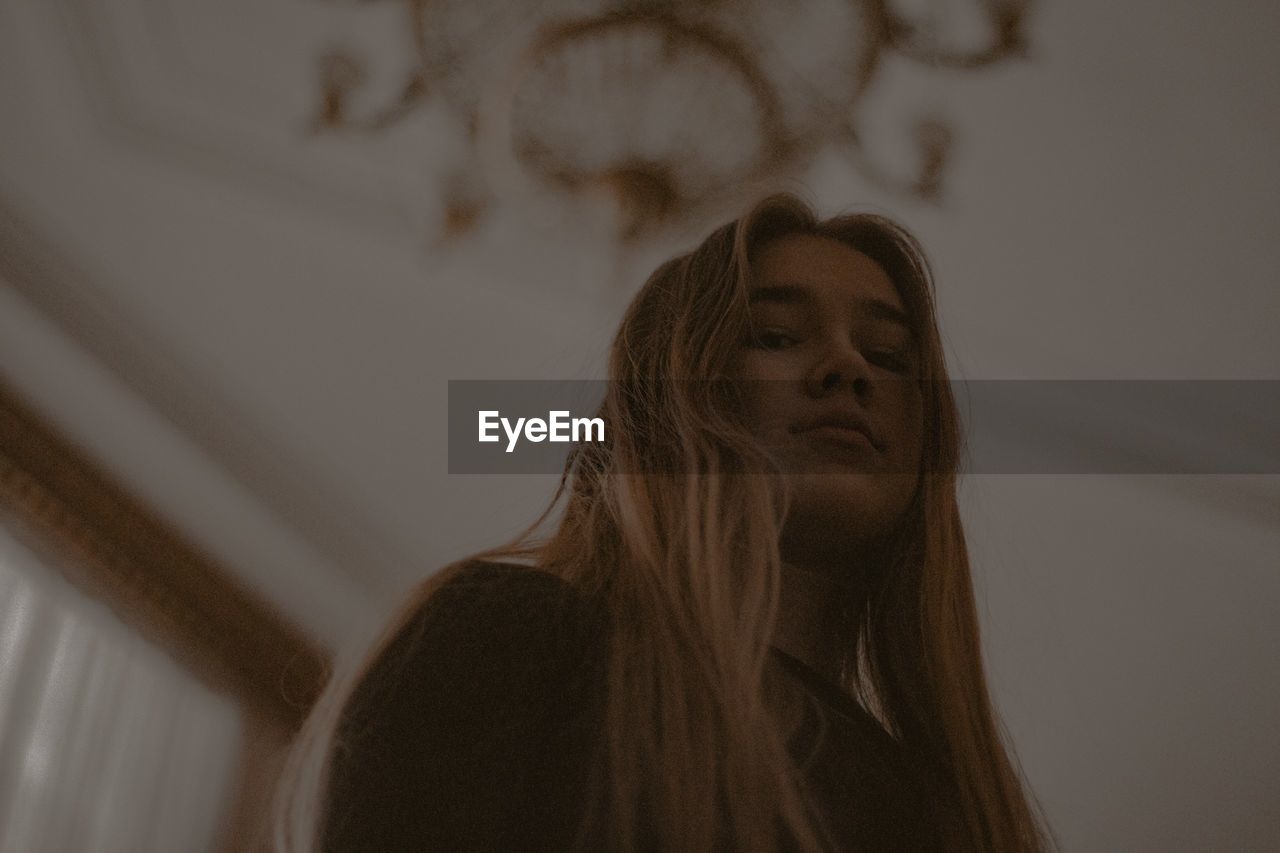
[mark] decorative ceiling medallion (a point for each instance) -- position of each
(669, 110)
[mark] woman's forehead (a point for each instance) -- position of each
(822, 271)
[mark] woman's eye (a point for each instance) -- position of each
(775, 339)
(898, 362)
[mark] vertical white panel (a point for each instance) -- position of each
(106, 743)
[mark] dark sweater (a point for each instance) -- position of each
(475, 732)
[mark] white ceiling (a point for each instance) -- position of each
(249, 326)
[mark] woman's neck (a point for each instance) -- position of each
(813, 617)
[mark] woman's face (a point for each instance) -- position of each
(829, 376)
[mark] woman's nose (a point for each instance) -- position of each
(840, 366)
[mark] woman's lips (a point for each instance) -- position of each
(841, 435)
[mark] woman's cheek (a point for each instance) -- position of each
(776, 366)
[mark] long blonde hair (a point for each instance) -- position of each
(668, 526)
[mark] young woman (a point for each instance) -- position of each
(752, 627)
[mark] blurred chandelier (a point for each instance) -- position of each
(666, 110)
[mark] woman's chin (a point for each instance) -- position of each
(843, 512)
(871, 496)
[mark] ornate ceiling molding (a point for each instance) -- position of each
(230, 91)
(677, 111)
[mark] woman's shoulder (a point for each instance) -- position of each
(511, 599)
(484, 581)
(492, 618)
(483, 703)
